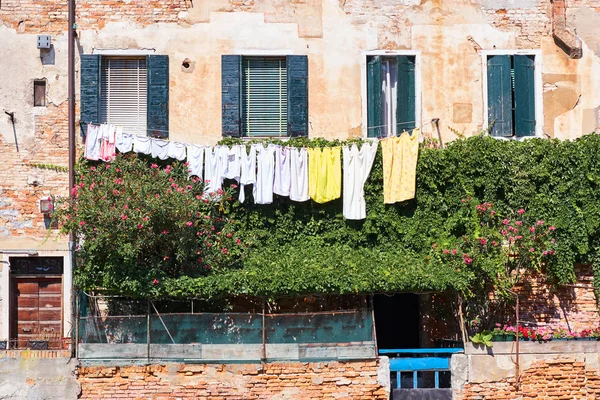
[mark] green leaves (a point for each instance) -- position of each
(292, 248)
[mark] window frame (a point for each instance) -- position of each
(364, 97)
(261, 53)
(101, 83)
(538, 89)
(43, 83)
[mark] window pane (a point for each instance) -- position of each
(264, 96)
(123, 93)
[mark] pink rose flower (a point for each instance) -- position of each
(521, 211)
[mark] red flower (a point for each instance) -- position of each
(521, 211)
(154, 166)
(155, 281)
(140, 226)
(124, 217)
(189, 223)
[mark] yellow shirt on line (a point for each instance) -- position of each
(400, 156)
(324, 174)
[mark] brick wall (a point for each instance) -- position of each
(23, 184)
(570, 307)
(347, 380)
(531, 23)
(550, 379)
(50, 16)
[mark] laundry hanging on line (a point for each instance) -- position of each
(400, 156)
(297, 173)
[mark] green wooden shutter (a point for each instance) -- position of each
(524, 93)
(231, 73)
(374, 113)
(500, 95)
(89, 90)
(158, 95)
(405, 109)
(297, 102)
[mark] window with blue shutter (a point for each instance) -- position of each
(264, 96)
(374, 115)
(511, 95)
(89, 90)
(231, 96)
(158, 96)
(391, 95)
(297, 86)
(131, 92)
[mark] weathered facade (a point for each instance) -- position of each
(454, 49)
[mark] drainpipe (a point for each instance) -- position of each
(566, 40)
(517, 365)
(71, 99)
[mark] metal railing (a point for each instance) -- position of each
(416, 362)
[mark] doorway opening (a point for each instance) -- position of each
(397, 321)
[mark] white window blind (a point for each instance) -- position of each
(123, 93)
(264, 96)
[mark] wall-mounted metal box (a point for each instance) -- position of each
(43, 41)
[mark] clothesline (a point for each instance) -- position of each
(278, 137)
(298, 173)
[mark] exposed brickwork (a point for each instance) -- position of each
(559, 379)
(22, 184)
(349, 380)
(532, 24)
(50, 16)
(568, 307)
(35, 354)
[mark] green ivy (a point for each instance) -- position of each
(300, 248)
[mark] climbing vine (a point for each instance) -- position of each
(298, 248)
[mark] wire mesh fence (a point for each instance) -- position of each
(146, 332)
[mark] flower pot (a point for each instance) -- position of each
(498, 338)
(38, 344)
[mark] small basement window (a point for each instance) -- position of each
(39, 93)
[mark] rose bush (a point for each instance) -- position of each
(140, 227)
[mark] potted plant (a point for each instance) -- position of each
(482, 338)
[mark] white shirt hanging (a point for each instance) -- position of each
(142, 144)
(357, 167)
(214, 168)
(282, 171)
(124, 141)
(176, 150)
(232, 162)
(160, 149)
(248, 169)
(265, 176)
(93, 140)
(299, 174)
(195, 159)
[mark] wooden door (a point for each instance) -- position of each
(37, 311)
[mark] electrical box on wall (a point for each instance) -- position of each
(43, 41)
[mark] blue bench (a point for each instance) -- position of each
(415, 360)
